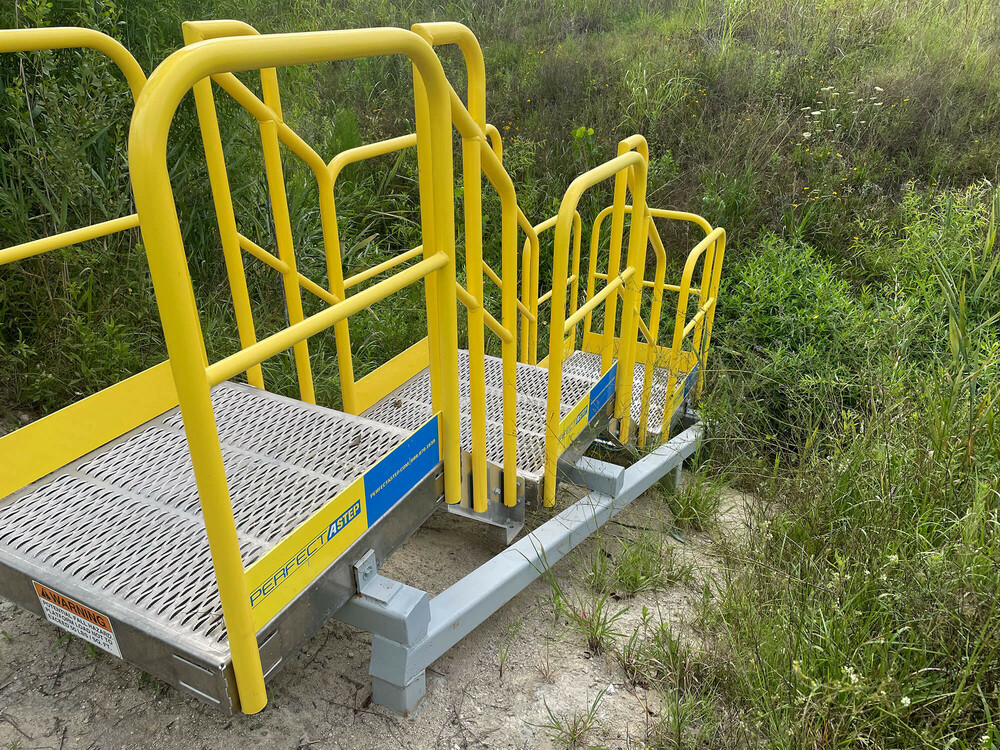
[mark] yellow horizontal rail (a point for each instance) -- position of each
(382, 267)
(652, 284)
(607, 291)
(472, 304)
(369, 151)
(65, 239)
(283, 268)
(234, 364)
(67, 37)
(492, 276)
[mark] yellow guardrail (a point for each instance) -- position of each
(193, 375)
(627, 282)
(56, 440)
(674, 358)
(215, 52)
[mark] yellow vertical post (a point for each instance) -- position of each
(283, 235)
(560, 260)
(614, 269)
(225, 214)
(185, 345)
(335, 280)
(435, 180)
(526, 323)
(574, 290)
(714, 262)
(656, 307)
(595, 243)
(631, 296)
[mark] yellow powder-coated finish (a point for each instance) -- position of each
(617, 168)
(175, 296)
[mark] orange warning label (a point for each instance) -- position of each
(78, 619)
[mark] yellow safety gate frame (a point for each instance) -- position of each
(215, 51)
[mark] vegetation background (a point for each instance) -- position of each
(851, 149)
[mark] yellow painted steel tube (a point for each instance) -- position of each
(334, 264)
(592, 274)
(286, 251)
(324, 181)
(382, 267)
(67, 37)
(560, 269)
(65, 239)
(610, 288)
(471, 124)
(471, 303)
(281, 267)
(638, 239)
(175, 296)
(653, 331)
(224, 369)
(197, 31)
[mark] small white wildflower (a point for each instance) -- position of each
(807, 135)
(904, 701)
(815, 113)
(878, 104)
(879, 89)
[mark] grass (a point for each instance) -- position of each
(696, 504)
(850, 150)
(572, 731)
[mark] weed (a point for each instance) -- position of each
(572, 731)
(6, 636)
(595, 620)
(150, 683)
(696, 504)
(506, 641)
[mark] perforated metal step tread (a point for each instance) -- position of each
(88, 526)
(410, 406)
(587, 366)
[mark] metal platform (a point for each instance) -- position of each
(83, 533)
(410, 405)
(587, 366)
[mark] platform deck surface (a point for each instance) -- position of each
(123, 524)
(409, 406)
(587, 365)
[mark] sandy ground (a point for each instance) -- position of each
(54, 694)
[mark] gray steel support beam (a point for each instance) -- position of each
(596, 476)
(398, 663)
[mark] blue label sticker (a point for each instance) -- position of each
(602, 392)
(399, 472)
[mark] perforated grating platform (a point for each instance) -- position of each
(410, 405)
(587, 365)
(88, 527)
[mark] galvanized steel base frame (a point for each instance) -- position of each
(410, 630)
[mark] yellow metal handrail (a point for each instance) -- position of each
(62, 437)
(671, 358)
(620, 167)
(193, 375)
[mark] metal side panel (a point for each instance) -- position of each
(118, 534)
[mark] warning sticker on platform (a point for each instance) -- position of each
(78, 619)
